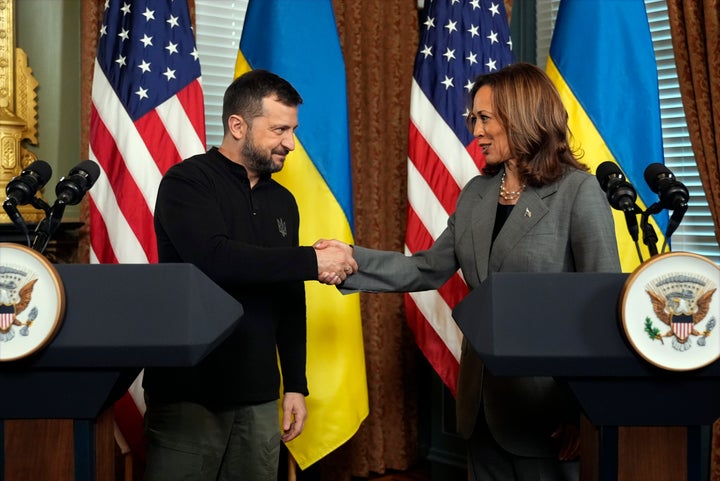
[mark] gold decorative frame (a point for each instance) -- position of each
(18, 109)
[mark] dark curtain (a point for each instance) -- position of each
(379, 42)
(696, 42)
(695, 27)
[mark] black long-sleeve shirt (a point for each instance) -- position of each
(246, 240)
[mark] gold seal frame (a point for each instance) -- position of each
(32, 301)
(678, 285)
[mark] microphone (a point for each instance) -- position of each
(673, 194)
(21, 190)
(620, 193)
(71, 189)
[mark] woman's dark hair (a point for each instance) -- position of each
(529, 108)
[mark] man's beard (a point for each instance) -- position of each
(259, 161)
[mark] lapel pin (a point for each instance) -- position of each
(527, 212)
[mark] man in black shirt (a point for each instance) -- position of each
(223, 212)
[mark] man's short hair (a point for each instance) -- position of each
(245, 95)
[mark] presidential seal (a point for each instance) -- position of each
(669, 311)
(32, 301)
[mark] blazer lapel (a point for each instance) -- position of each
(529, 210)
(483, 220)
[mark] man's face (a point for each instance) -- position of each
(270, 137)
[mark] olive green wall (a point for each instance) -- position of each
(49, 33)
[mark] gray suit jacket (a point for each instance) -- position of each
(563, 227)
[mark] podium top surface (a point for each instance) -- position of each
(555, 324)
(136, 315)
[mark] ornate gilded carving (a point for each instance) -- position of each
(18, 109)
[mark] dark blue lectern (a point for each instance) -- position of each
(566, 325)
(119, 319)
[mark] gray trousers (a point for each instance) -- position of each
(188, 442)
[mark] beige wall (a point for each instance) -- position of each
(49, 32)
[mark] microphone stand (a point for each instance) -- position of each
(48, 226)
(674, 222)
(631, 221)
(650, 238)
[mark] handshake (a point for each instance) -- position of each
(335, 261)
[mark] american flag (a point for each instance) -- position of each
(147, 114)
(459, 39)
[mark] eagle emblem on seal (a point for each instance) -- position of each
(13, 302)
(681, 301)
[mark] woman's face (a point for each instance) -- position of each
(486, 128)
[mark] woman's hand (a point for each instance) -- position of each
(569, 436)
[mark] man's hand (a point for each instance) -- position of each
(294, 415)
(335, 261)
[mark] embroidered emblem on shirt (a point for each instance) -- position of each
(282, 227)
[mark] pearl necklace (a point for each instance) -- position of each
(509, 195)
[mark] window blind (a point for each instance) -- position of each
(219, 25)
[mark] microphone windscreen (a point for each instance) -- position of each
(91, 169)
(604, 171)
(42, 169)
(653, 173)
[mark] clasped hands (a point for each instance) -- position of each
(335, 261)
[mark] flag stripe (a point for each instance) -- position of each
(317, 172)
(434, 348)
(426, 205)
(112, 238)
(455, 288)
(433, 307)
(458, 41)
(443, 140)
(131, 203)
(418, 237)
(154, 135)
(432, 170)
(191, 100)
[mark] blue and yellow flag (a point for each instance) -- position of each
(298, 40)
(602, 62)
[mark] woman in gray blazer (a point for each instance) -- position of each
(535, 209)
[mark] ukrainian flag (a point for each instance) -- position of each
(298, 40)
(602, 62)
